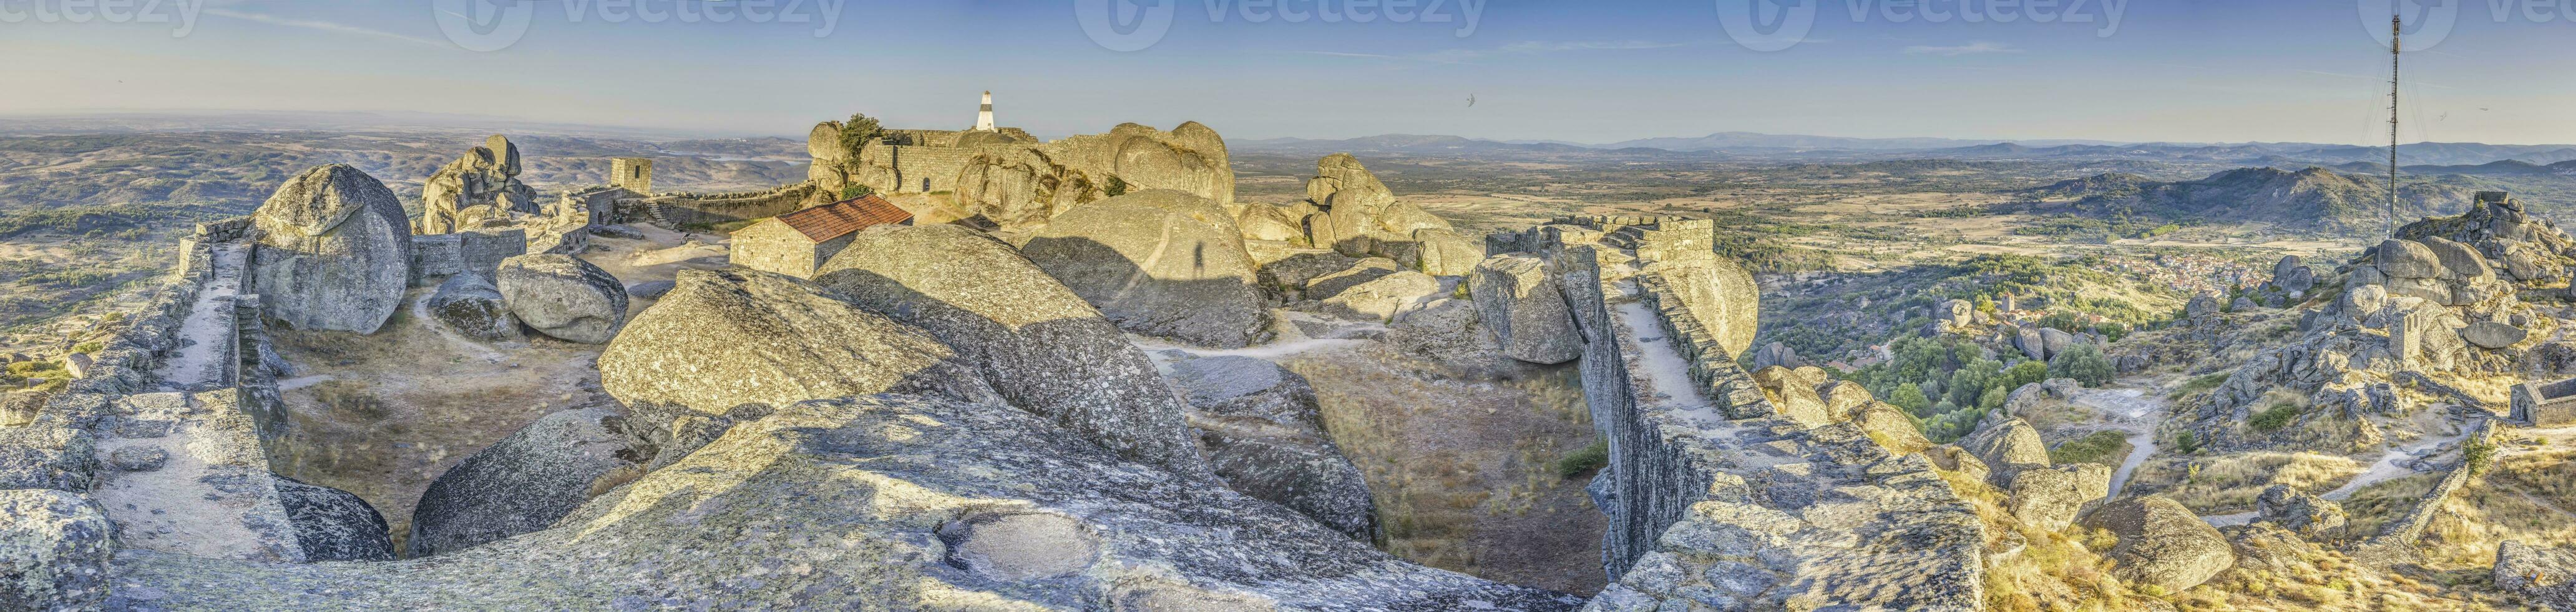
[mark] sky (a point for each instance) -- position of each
(2495, 71)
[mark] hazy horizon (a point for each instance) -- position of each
(2201, 72)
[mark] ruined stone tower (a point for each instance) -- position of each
(984, 117)
(632, 174)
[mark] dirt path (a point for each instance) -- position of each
(206, 335)
(2387, 466)
(2134, 410)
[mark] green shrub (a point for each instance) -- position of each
(1584, 461)
(2476, 455)
(2201, 383)
(2095, 448)
(2187, 443)
(25, 368)
(1117, 187)
(2273, 418)
(2084, 363)
(855, 191)
(89, 348)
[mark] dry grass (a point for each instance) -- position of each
(2055, 570)
(1464, 471)
(2228, 484)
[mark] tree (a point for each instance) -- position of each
(2084, 363)
(857, 133)
(1910, 398)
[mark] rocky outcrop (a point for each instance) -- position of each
(2544, 575)
(1161, 263)
(1525, 310)
(1380, 298)
(563, 296)
(1722, 296)
(1269, 222)
(1264, 433)
(334, 525)
(730, 346)
(878, 503)
(2050, 497)
(54, 551)
(480, 188)
(2309, 516)
(2492, 335)
(1024, 184)
(2161, 543)
(472, 306)
(1793, 393)
(526, 481)
(334, 251)
(2006, 448)
(1041, 346)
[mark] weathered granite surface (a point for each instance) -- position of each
(1160, 263)
(1040, 346)
(54, 551)
(724, 347)
(1264, 433)
(874, 503)
(334, 251)
(524, 482)
(563, 296)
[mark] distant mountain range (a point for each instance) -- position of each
(2311, 199)
(2285, 154)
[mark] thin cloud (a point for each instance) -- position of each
(1973, 48)
(1347, 54)
(325, 26)
(1464, 56)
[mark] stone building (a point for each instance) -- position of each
(2548, 405)
(795, 243)
(632, 174)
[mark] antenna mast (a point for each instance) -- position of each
(2396, 27)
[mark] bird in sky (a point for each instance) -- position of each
(1471, 100)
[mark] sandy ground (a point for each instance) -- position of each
(383, 415)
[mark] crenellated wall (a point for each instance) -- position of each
(684, 209)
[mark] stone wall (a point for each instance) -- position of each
(2400, 533)
(438, 256)
(1715, 501)
(908, 169)
(774, 247)
(684, 209)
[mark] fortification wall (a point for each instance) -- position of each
(435, 257)
(682, 209)
(919, 169)
(2401, 533)
(1715, 498)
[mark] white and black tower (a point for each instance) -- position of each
(984, 116)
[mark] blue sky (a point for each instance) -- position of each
(2172, 70)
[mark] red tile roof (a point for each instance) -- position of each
(837, 219)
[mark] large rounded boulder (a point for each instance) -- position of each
(471, 305)
(1160, 263)
(334, 251)
(1042, 347)
(563, 296)
(1522, 307)
(334, 525)
(525, 481)
(732, 345)
(2162, 543)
